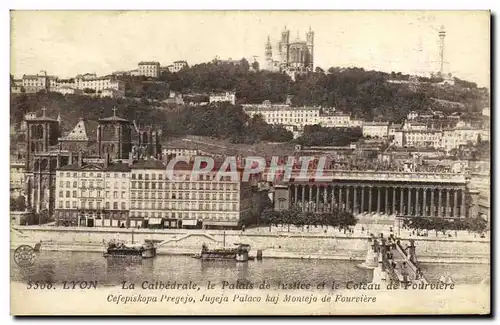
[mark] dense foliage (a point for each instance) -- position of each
(298, 218)
(366, 94)
(315, 135)
(221, 121)
(477, 224)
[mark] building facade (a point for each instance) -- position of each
(93, 194)
(376, 129)
(227, 97)
(177, 66)
(149, 69)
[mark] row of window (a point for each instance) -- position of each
(149, 205)
(185, 206)
(185, 215)
(97, 174)
(182, 196)
(90, 205)
(96, 194)
(90, 184)
(185, 186)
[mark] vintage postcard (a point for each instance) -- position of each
(250, 162)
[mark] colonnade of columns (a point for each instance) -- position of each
(407, 200)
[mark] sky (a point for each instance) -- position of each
(67, 43)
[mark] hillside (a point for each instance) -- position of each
(369, 95)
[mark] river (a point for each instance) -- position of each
(85, 266)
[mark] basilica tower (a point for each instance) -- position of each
(310, 47)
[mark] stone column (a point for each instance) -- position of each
(440, 202)
(296, 194)
(355, 194)
(393, 201)
(386, 200)
(417, 203)
(432, 211)
(333, 199)
(347, 203)
(362, 199)
(455, 203)
(370, 199)
(409, 201)
(303, 198)
(378, 199)
(325, 197)
(447, 213)
(316, 208)
(462, 206)
(341, 206)
(401, 200)
(424, 205)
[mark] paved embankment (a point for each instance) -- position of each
(276, 244)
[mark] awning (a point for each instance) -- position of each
(189, 222)
(220, 223)
(154, 221)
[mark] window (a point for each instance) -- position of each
(84, 183)
(67, 184)
(73, 205)
(115, 195)
(60, 205)
(115, 205)
(146, 185)
(75, 184)
(133, 184)
(67, 205)
(123, 194)
(124, 175)
(61, 193)
(91, 205)
(68, 194)
(133, 176)
(61, 184)
(140, 176)
(98, 205)
(123, 206)
(74, 193)
(107, 194)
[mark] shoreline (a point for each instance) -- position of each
(269, 254)
(317, 245)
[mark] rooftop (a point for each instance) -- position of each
(112, 167)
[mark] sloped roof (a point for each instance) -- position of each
(79, 133)
(114, 118)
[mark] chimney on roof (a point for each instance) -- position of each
(80, 159)
(106, 160)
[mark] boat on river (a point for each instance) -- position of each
(120, 249)
(240, 253)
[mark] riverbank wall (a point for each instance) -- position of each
(336, 246)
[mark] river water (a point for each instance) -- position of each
(57, 267)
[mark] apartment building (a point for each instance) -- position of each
(376, 129)
(149, 69)
(195, 202)
(93, 194)
(285, 114)
(177, 66)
